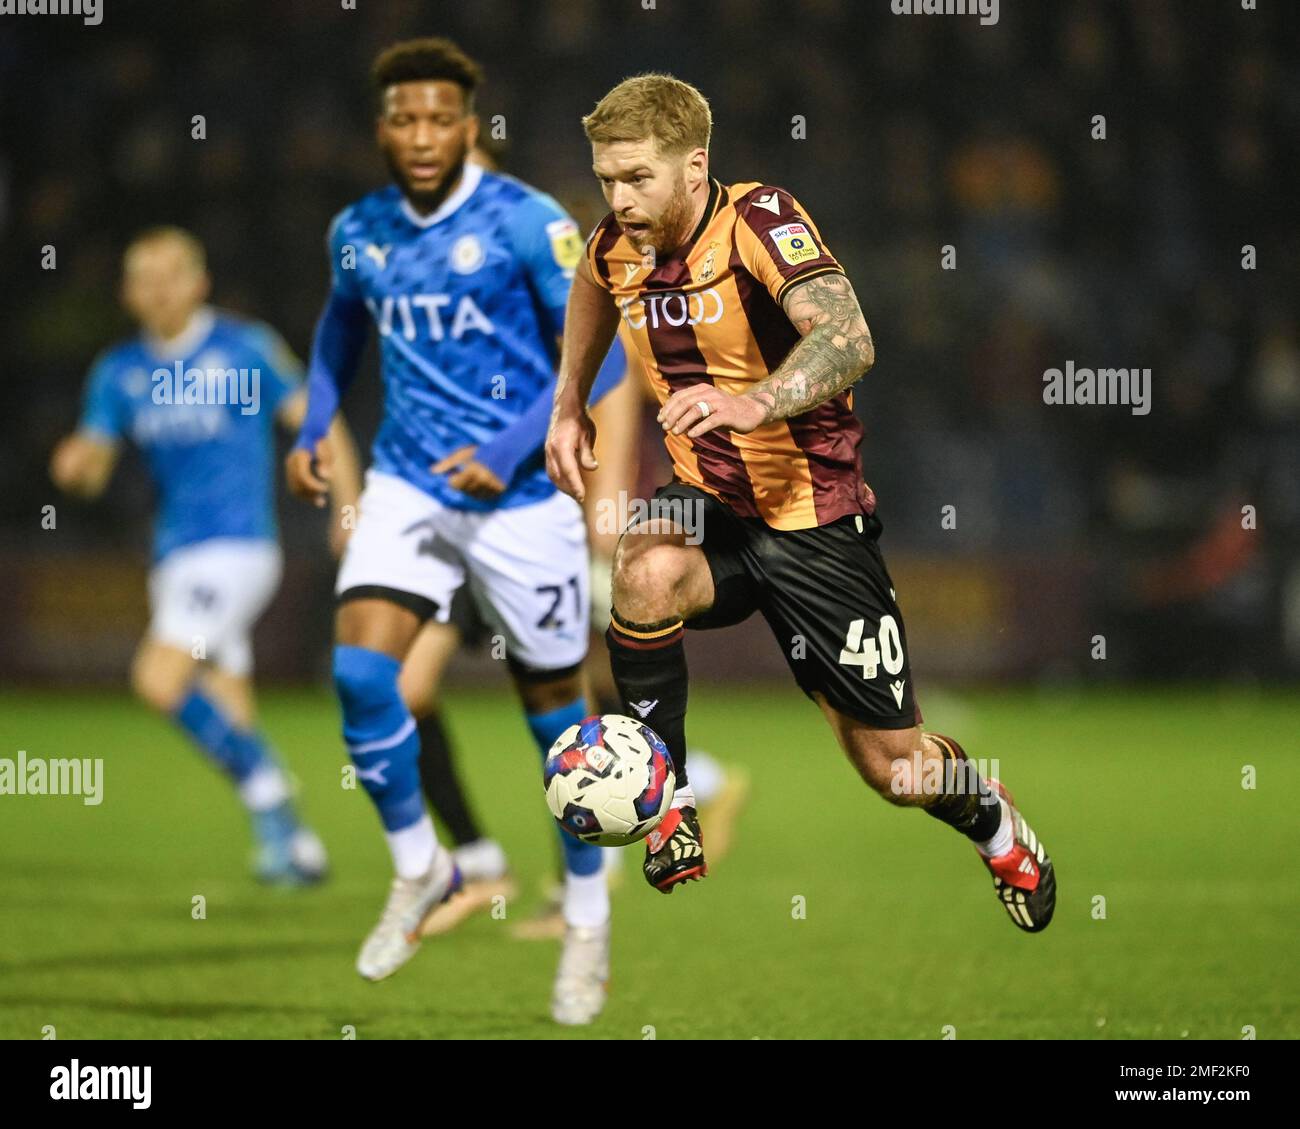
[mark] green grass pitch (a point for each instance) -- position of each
(1137, 795)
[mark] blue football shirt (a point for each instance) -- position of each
(468, 303)
(202, 414)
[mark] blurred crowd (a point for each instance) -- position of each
(903, 136)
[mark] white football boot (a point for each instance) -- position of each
(486, 878)
(308, 854)
(580, 982)
(395, 939)
(481, 861)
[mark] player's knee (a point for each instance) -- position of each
(152, 695)
(152, 688)
(421, 705)
(366, 683)
(420, 698)
(647, 580)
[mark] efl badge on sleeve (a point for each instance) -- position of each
(566, 243)
(795, 242)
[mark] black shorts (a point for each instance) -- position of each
(827, 597)
(467, 619)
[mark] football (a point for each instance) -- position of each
(609, 780)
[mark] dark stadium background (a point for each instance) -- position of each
(1071, 522)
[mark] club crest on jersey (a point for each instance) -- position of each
(707, 269)
(795, 242)
(467, 254)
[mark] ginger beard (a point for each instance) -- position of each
(669, 231)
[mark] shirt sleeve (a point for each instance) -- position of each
(282, 371)
(777, 242)
(549, 246)
(104, 410)
(520, 444)
(340, 337)
(343, 256)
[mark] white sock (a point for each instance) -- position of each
(413, 848)
(586, 899)
(265, 788)
(611, 858)
(684, 797)
(1003, 839)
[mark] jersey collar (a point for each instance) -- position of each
(717, 197)
(196, 331)
(469, 180)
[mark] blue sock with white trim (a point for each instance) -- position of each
(237, 752)
(582, 859)
(380, 733)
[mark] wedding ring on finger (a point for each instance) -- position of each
(705, 410)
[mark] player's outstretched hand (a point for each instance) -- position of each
(570, 449)
(308, 475)
(65, 465)
(82, 466)
(468, 476)
(702, 408)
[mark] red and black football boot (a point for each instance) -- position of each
(1023, 878)
(674, 851)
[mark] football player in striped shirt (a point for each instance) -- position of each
(752, 338)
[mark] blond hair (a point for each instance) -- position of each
(188, 243)
(655, 107)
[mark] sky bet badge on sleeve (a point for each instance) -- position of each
(566, 243)
(795, 242)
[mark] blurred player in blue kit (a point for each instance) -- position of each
(196, 391)
(465, 274)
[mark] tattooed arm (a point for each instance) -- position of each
(834, 351)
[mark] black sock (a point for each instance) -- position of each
(649, 665)
(967, 803)
(441, 785)
(608, 702)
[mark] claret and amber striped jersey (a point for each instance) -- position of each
(711, 313)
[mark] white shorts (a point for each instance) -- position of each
(526, 565)
(206, 597)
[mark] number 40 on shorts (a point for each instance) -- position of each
(869, 654)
